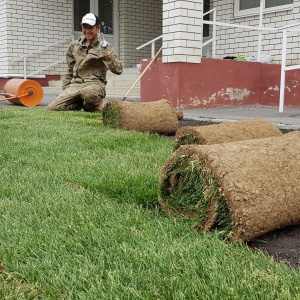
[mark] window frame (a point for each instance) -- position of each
(255, 11)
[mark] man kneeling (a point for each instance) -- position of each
(88, 61)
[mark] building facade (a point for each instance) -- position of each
(238, 41)
(39, 32)
(35, 34)
(250, 31)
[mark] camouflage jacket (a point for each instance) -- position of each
(87, 63)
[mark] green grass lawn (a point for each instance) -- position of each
(79, 219)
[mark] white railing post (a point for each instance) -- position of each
(153, 49)
(282, 75)
(152, 43)
(260, 30)
(214, 34)
(24, 67)
(23, 58)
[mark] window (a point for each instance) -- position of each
(206, 8)
(104, 9)
(80, 9)
(246, 7)
(106, 16)
(273, 3)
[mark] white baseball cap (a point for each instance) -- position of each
(90, 19)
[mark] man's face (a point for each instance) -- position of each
(90, 32)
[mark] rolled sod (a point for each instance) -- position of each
(155, 117)
(225, 132)
(243, 189)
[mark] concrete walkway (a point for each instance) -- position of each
(289, 119)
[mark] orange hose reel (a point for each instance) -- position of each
(23, 92)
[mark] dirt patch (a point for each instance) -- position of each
(284, 244)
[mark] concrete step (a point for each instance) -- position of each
(52, 90)
(110, 91)
(112, 79)
(117, 85)
(121, 84)
(121, 92)
(121, 81)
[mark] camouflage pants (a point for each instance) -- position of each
(76, 96)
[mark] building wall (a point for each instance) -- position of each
(236, 41)
(140, 22)
(182, 28)
(218, 82)
(30, 25)
(3, 37)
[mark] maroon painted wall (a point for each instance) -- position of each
(217, 82)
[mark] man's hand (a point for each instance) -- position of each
(103, 44)
(106, 50)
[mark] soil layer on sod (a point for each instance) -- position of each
(155, 117)
(225, 132)
(282, 244)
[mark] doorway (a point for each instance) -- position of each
(106, 10)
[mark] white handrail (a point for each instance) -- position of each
(282, 74)
(43, 48)
(25, 75)
(284, 29)
(284, 68)
(208, 12)
(260, 28)
(240, 26)
(214, 34)
(47, 67)
(289, 26)
(152, 42)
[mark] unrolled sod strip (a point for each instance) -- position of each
(225, 132)
(244, 189)
(155, 117)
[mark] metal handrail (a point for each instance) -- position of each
(213, 39)
(152, 42)
(260, 28)
(43, 48)
(284, 30)
(20, 58)
(240, 26)
(285, 68)
(47, 67)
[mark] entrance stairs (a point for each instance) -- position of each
(117, 85)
